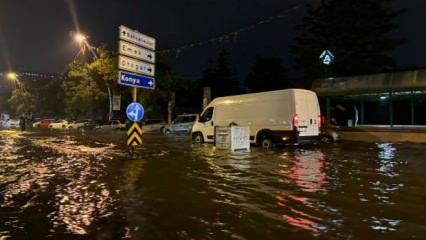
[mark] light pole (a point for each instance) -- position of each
(81, 39)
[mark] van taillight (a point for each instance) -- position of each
(320, 121)
(296, 122)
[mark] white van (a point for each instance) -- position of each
(289, 116)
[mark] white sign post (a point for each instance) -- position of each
(136, 59)
(222, 137)
(136, 37)
(235, 138)
(134, 51)
(116, 103)
(135, 66)
(240, 138)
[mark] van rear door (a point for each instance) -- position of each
(308, 111)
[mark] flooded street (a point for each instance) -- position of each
(74, 186)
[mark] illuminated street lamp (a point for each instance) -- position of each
(12, 76)
(80, 38)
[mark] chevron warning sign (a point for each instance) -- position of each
(134, 135)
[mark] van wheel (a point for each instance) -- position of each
(198, 138)
(267, 143)
(326, 139)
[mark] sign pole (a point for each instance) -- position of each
(135, 93)
(136, 64)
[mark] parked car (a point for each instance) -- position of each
(36, 124)
(11, 123)
(152, 125)
(114, 125)
(90, 125)
(43, 123)
(78, 124)
(59, 124)
(182, 124)
(289, 116)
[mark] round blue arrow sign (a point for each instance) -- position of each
(135, 112)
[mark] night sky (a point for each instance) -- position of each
(35, 34)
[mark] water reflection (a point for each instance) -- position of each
(305, 169)
(387, 161)
(70, 171)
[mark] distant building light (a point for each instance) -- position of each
(383, 98)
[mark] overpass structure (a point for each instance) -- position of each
(386, 99)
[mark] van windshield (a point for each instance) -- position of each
(207, 115)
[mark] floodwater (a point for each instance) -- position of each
(74, 186)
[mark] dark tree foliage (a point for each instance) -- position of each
(219, 77)
(357, 32)
(267, 74)
(226, 82)
(168, 82)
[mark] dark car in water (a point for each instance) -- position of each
(329, 133)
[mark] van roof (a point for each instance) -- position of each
(220, 100)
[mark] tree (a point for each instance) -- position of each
(219, 77)
(22, 102)
(226, 83)
(89, 85)
(357, 32)
(83, 95)
(267, 74)
(168, 82)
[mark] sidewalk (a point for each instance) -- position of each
(385, 133)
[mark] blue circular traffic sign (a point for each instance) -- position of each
(135, 112)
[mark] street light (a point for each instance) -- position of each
(12, 76)
(80, 38)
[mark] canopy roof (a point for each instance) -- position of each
(377, 83)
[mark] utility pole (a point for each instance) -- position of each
(207, 96)
(171, 106)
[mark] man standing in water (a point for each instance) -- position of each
(22, 122)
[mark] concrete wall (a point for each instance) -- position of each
(414, 135)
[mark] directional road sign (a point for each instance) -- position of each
(134, 135)
(327, 57)
(134, 51)
(136, 80)
(136, 66)
(135, 112)
(136, 37)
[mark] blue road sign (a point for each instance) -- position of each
(136, 80)
(327, 57)
(135, 112)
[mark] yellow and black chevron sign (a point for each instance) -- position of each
(134, 135)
